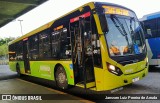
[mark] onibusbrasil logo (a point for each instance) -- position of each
(21, 97)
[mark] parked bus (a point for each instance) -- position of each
(151, 23)
(98, 46)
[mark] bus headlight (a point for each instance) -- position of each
(147, 59)
(112, 67)
(115, 70)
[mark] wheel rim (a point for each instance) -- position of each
(61, 77)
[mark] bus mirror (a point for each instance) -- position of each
(147, 36)
(147, 32)
(103, 22)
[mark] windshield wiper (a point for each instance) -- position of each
(131, 19)
(122, 30)
(131, 28)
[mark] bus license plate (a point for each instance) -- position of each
(135, 79)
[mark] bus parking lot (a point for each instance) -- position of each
(11, 84)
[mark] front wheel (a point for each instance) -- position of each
(61, 78)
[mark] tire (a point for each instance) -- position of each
(18, 70)
(61, 78)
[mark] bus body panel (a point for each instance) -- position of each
(112, 81)
(107, 81)
(45, 69)
(99, 78)
(12, 65)
(153, 51)
(151, 25)
(133, 68)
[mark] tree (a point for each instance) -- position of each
(4, 46)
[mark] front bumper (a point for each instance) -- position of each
(112, 81)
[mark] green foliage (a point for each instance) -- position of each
(5, 40)
(3, 50)
(4, 46)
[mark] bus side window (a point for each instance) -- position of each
(150, 28)
(44, 45)
(33, 47)
(55, 44)
(146, 30)
(19, 50)
(65, 48)
(158, 31)
(12, 52)
(60, 44)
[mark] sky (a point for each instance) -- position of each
(53, 9)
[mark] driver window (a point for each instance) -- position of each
(96, 44)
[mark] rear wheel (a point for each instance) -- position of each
(61, 78)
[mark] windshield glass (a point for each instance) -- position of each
(124, 36)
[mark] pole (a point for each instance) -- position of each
(20, 21)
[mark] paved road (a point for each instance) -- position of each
(6, 73)
(148, 85)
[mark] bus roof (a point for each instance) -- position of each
(111, 4)
(48, 25)
(45, 26)
(150, 16)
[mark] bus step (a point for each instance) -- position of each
(88, 85)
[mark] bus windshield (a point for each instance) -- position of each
(124, 36)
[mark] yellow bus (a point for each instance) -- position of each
(98, 46)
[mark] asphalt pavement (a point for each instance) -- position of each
(6, 73)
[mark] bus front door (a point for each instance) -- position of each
(26, 56)
(82, 53)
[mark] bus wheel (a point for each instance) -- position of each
(61, 78)
(18, 70)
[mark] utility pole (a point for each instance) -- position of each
(6, 55)
(20, 21)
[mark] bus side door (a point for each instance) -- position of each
(26, 55)
(82, 51)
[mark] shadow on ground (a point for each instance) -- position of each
(154, 69)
